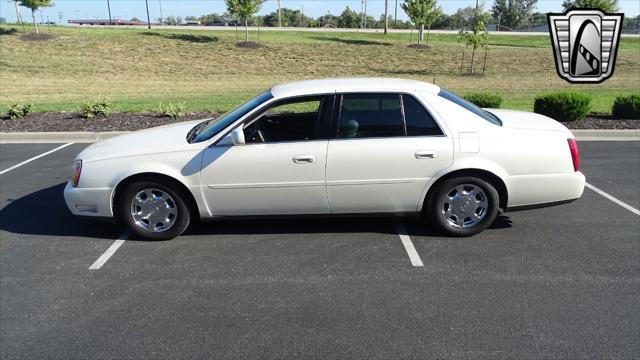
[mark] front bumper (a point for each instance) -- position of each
(90, 202)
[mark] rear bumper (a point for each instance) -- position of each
(529, 191)
(89, 202)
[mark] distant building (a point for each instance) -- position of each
(3, 20)
(106, 22)
(189, 23)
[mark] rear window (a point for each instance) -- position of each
(470, 106)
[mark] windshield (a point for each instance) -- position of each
(470, 106)
(206, 129)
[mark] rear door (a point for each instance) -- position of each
(384, 149)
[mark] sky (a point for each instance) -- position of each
(127, 9)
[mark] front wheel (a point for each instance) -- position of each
(463, 206)
(153, 210)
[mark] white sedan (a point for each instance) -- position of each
(329, 147)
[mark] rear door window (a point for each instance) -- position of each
(370, 116)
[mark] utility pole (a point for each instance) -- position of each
(148, 18)
(302, 18)
(109, 8)
(395, 23)
(161, 17)
(365, 14)
(362, 12)
(386, 16)
(60, 17)
(279, 15)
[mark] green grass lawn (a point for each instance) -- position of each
(138, 68)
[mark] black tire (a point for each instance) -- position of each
(180, 223)
(434, 207)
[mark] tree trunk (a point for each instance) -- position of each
(473, 54)
(420, 34)
(35, 24)
(246, 31)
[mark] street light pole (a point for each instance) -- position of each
(395, 22)
(365, 14)
(148, 17)
(109, 8)
(386, 16)
(279, 15)
(161, 17)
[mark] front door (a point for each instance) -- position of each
(281, 168)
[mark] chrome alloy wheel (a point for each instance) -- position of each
(465, 206)
(154, 210)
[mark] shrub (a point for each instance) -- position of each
(626, 107)
(18, 110)
(484, 100)
(562, 106)
(172, 110)
(99, 107)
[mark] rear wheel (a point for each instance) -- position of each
(463, 206)
(153, 210)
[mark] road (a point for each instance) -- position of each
(560, 282)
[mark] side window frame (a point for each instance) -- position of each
(337, 112)
(426, 108)
(335, 121)
(325, 113)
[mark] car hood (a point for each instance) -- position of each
(526, 120)
(155, 140)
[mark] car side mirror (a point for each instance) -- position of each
(237, 136)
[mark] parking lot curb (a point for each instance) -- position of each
(607, 135)
(90, 137)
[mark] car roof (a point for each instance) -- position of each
(327, 86)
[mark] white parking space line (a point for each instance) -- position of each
(110, 251)
(619, 202)
(35, 158)
(408, 245)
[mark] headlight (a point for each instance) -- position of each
(77, 169)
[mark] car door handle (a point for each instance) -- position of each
(304, 159)
(426, 154)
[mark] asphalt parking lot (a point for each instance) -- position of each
(560, 282)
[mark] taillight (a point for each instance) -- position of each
(573, 147)
(77, 169)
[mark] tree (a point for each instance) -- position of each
(289, 17)
(478, 37)
(349, 19)
(422, 13)
(513, 13)
(463, 18)
(135, 19)
(244, 10)
(35, 5)
(607, 6)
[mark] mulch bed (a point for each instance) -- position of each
(37, 37)
(122, 121)
(602, 122)
(71, 121)
(249, 45)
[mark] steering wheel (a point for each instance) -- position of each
(254, 133)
